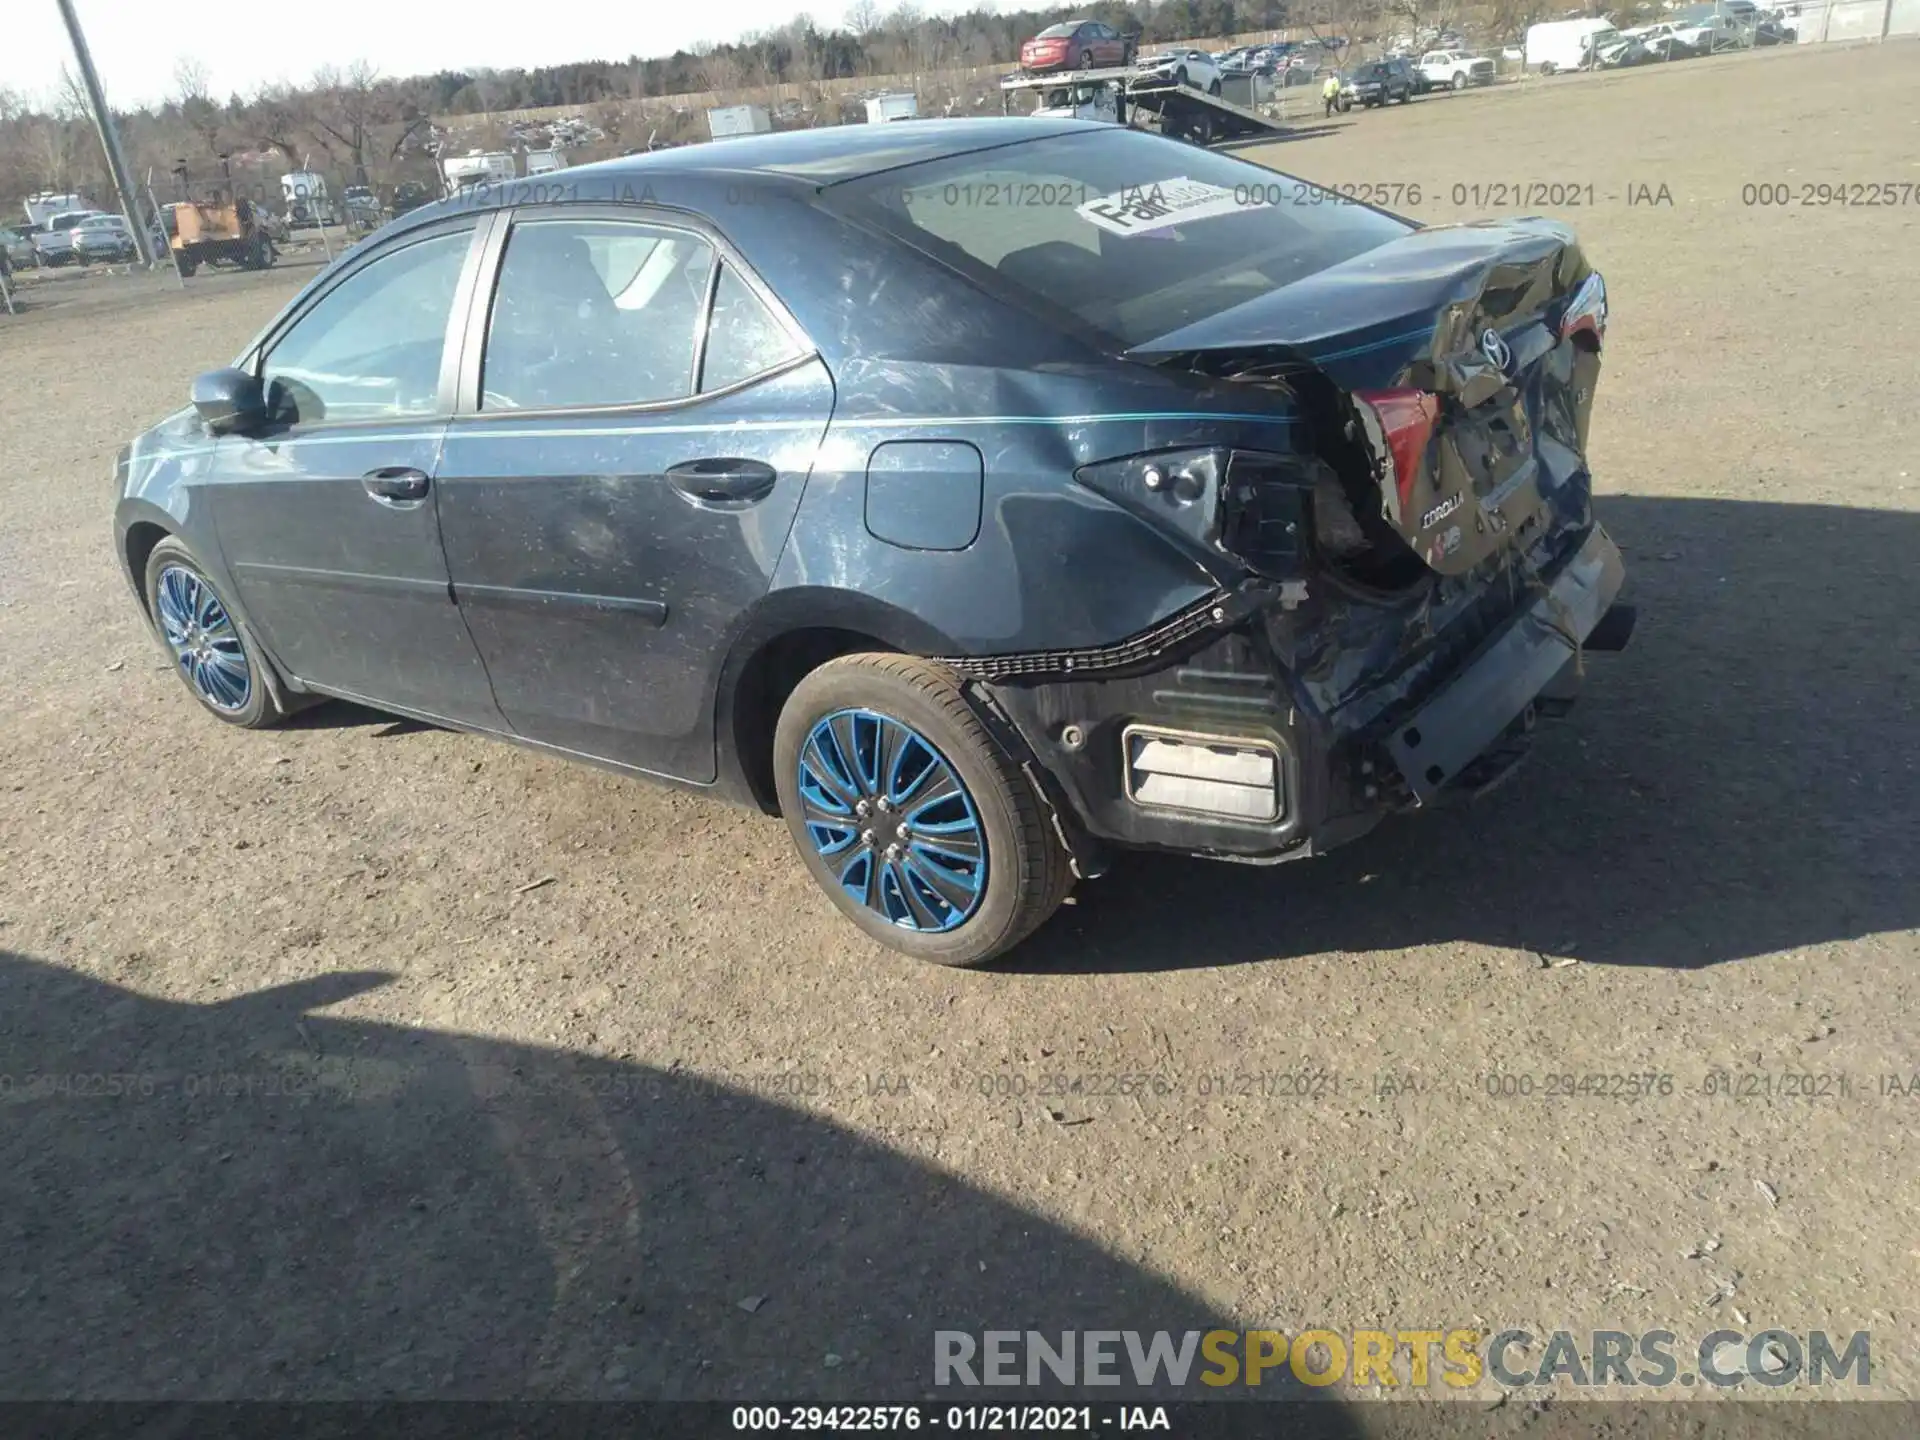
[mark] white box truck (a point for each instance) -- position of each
(882, 108)
(1568, 44)
(738, 120)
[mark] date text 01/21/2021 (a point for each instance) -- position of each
(1014, 1419)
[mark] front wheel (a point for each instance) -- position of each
(1213, 87)
(1459, 82)
(911, 815)
(214, 656)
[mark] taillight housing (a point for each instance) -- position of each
(1399, 426)
(1586, 312)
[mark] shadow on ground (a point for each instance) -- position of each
(1739, 781)
(283, 1205)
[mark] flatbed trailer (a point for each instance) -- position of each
(1155, 102)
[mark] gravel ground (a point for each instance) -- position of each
(400, 1121)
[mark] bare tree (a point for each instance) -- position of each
(276, 118)
(190, 80)
(351, 109)
(191, 95)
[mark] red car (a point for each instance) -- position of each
(1077, 45)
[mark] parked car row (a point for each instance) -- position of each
(74, 237)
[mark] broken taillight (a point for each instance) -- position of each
(1586, 312)
(1399, 425)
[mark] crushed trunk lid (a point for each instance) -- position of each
(1458, 363)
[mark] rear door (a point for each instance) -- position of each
(326, 515)
(639, 417)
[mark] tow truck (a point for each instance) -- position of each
(1122, 95)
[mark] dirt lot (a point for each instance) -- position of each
(397, 1124)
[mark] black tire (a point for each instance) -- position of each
(261, 707)
(1028, 872)
(1180, 76)
(1459, 81)
(1213, 87)
(1086, 60)
(188, 264)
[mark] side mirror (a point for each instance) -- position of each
(229, 400)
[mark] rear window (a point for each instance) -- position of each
(1126, 233)
(1056, 32)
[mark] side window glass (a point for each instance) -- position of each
(743, 339)
(370, 348)
(594, 313)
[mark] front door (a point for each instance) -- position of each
(326, 514)
(644, 427)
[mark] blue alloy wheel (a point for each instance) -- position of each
(893, 821)
(203, 639)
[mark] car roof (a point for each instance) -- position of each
(812, 158)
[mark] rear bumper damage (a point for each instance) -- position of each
(1250, 736)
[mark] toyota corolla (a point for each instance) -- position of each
(980, 496)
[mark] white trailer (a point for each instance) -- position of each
(1568, 44)
(477, 167)
(307, 199)
(902, 106)
(738, 120)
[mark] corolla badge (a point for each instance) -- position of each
(1495, 349)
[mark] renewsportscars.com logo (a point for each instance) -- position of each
(1392, 1359)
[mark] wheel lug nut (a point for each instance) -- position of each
(860, 808)
(866, 838)
(893, 852)
(883, 804)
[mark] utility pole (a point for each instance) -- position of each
(109, 136)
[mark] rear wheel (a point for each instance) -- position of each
(911, 815)
(214, 656)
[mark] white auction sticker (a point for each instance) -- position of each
(1161, 203)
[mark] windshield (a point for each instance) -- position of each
(1117, 230)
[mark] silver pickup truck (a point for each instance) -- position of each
(55, 243)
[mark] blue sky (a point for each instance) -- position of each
(137, 43)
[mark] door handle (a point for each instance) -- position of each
(396, 482)
(723, 481)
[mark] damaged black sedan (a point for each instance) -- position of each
(980, 496)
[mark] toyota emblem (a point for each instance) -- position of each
(1495, 349)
